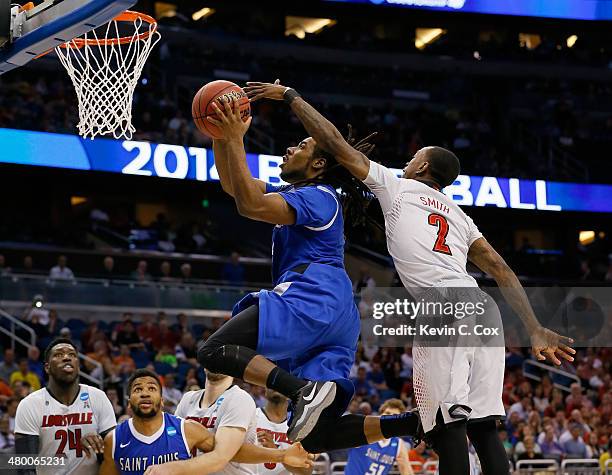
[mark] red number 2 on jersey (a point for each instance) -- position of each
(442, 224)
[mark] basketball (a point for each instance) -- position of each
(213, 91)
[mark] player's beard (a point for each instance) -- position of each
(146, 415)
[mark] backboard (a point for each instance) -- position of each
(49, 24)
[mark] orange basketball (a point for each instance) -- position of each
(203, 100)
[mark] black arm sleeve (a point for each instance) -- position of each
(27, 445)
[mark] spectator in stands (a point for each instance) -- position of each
(531, 451)
(108, 269)
(183, 325)
(24, 374)
(363, 387)
(605, 456)
(167, 355)
(124, 362)
(140, 273)
(113, 397)
(4, 270)
(147, 330)
(28, 265)
(165, 336)
(575, 400)
(187, 349)
(366, 303)
(165, 272)
(376, 377)
(550, 447)
(101, 355)
(127, 336)
(55, 323)
(186, 272)
(8, 365)
(91, 335)
(233, 271)
(34, 363)
(503, 436)
(61, 271)
(522, 407)
(7, 427)
(594, 451)
(363, 280)
(575, 446)
(171, 395)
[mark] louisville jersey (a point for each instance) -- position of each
(278, 431)
(373, 459)
(133, 452)
(61, 427)
(234, 408)
(428, 235)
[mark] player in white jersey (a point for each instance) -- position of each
(226, 410)
(430, 240)
(272, 432)
(59, 419)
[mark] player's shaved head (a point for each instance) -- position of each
(436, 164)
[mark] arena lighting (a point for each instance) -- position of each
(299, 26)
(586, 237)
(571, 40)
(529, 40)
(203, 13)
(425, 36)
(165, 10)
(77, 200)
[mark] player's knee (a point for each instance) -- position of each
(206, 355)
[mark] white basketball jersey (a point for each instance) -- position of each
(279, 434)
(428, 235)
(61, 427)
(234, 408)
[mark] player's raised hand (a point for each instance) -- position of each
(546, 344)
(93, 444)
(265, 90)
(229, 119)
(296, 456)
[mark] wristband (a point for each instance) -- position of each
(290, 95)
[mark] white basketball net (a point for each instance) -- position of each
(105, 74)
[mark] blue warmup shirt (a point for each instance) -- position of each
(134, 452)
(373, 459)
(309, 324)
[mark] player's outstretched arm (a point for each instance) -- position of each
(108, 466)
(327, 136)
(403, 461)
(544, 342)
(251, 199)
(222, 164)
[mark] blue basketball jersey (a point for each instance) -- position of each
(318, 233)
(134, 452)
(373, 459)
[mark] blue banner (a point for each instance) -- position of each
(566, 9)
(193, 163)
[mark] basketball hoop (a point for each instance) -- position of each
(105, 72)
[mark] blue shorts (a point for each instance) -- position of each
(309, 325)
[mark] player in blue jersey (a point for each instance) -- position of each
(378, 458)
(308, 324)
(152, 438)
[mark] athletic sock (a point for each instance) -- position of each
(285, 383)
(399, 425)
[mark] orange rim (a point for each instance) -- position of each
(127, 16)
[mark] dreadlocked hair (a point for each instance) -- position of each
(355, 197)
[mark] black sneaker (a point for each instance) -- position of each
(311, 400)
